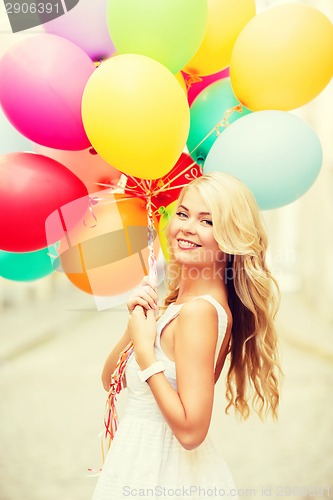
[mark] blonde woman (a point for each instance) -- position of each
(222, 302)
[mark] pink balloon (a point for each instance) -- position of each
(86, 164)
(31, 188)
(86, 26)
(196, 87)
(42, 79)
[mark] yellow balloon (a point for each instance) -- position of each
(181, 80)
(136, 115)
(283, 58)
(226, 19)
(166, 216)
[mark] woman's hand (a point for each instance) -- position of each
(142, 331)
(145, 295)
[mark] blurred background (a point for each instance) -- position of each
(53, 343)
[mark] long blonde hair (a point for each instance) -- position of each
(253, 293)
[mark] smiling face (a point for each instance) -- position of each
(190, 232)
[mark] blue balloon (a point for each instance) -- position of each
(11, 140)
(208, 109)
(275, 153)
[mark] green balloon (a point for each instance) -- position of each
(207, 111)
(169, 31)
(26, 266)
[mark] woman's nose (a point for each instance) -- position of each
(188, 226)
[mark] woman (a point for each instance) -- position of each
(222, 301)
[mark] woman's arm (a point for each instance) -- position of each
(188, 411)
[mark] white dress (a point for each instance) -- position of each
(145, 458)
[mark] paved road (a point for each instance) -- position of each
(51, 410)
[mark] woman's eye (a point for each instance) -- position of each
(181, 214)
(209, 222)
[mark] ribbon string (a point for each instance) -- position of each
(152, 266)
(111, 415)
(191, 78)
(118, 376)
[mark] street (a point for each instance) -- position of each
(52, 408)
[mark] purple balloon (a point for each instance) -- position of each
(42, 79)
(86, 26)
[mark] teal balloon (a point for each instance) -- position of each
(11, 140)
(207, 111)
(275, 153)
(26, 266)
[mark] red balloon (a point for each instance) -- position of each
(179, 176)
(87, 165)
(33, 186)
(196, 87)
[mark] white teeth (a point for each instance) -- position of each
(187, 244)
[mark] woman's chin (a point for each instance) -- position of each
(184, 257)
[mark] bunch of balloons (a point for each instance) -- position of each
(119, 89)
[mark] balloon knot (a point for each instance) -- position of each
(192, 77)
(200, 161)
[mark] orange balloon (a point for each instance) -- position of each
(106, 254)
(85, 164)
(226, 19)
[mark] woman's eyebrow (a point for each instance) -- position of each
(201, 213)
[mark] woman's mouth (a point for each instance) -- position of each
(187, 245)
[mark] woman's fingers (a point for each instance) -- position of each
(151, 292)
(138, 309)
(148, 298)
(147, 281)
(145, 296)
(141, 301)
(146, 293)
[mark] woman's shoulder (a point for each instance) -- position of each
(197, 306)
(196, 317)
(207, 305)
(199, 313)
